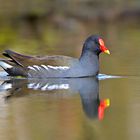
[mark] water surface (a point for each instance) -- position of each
(74, 109)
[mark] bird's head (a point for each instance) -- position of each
(95, 44)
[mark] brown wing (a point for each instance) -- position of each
(26, 61)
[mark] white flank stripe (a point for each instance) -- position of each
(56, 86)
(52, 87)
(45, 67)
(36, 86)
(31, 68)
(5, 65)
(31, 85)
(44, 87)
(64, 86)
(35, 66)
(58, 67)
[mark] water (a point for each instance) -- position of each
(69, 108)
(83, 108)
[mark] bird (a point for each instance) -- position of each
(56, 66)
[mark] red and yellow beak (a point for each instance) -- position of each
(103, 47)
(103, 105)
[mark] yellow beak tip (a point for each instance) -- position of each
(107, 51)
(107, 102)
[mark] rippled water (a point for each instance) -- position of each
(103, 108)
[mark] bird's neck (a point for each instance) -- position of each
(88, 55)
(90, 62)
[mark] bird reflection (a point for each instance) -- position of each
(88, 88)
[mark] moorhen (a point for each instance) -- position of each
(56, 66)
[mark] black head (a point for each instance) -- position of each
(95, 44)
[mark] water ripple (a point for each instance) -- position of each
(105, 76)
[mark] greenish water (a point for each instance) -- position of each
(69, 108)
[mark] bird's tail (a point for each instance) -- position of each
(6, 64)
(12, 68)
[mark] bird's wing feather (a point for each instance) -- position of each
(25, 61)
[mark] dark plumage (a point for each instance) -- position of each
(56, 66)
